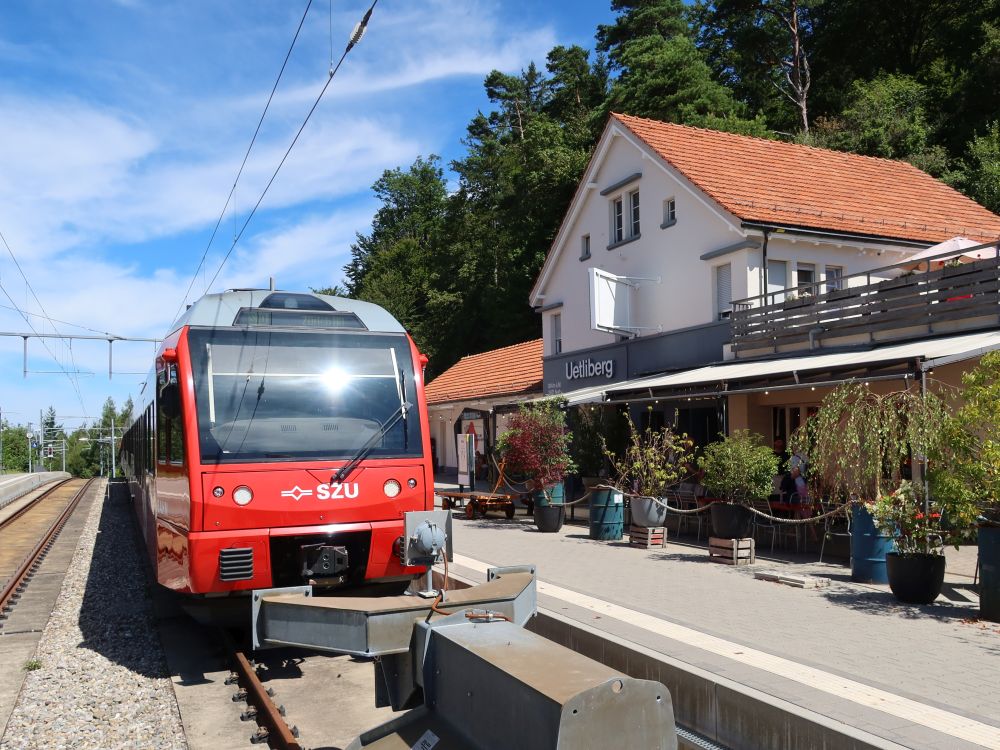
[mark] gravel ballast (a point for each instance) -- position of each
(101, 680)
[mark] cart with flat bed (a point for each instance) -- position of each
(479, 503)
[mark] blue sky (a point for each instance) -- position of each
(124, 123)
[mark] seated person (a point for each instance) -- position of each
(787, 486)
(782, 454)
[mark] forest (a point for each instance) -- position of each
(454, 249)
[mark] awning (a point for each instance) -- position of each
(736, 377)
(592, 395)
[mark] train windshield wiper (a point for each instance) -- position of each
(345, 471)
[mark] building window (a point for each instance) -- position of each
(585, 247)
(633, 199)
(557, 333)
(669, 213)
(617, 227)
(834, 278)
(777, 280)
(805, 273)
(723, 291)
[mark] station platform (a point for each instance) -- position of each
(753, 663)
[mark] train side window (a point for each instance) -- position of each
(170, 428)
(161, 437)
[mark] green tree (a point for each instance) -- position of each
(760, 50)
(15, 448)
(980, 177)
(884, 117)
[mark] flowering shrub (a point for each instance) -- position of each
(653, 461)
(916, 527)
(537, 444)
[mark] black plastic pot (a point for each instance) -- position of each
(915, 578)
(989, 573)
(731, 521)
(549, 518)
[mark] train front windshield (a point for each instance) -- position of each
(267, 395)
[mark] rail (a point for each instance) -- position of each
(882, 303)
(271, 725)
(16, 584)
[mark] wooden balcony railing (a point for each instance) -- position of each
(904, 301)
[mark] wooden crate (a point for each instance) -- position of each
(732, 551)
(647, 537)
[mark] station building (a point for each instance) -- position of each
(478, 394)
(715, 281)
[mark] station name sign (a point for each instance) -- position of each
(588, 368)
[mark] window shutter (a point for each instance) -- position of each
(723, 288)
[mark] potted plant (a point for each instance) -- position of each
(652, 463)
(920, 528)
(970, 471)
(738, 470)
(536, 445)
(860, 444)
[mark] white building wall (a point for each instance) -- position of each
(685, 294)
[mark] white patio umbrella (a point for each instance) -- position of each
(957, 248)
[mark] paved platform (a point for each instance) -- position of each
(905, 676)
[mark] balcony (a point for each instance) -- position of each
(909, 300)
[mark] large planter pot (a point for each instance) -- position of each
(552, 495)
(731, 521)
(989, 573)
(647, 512)
(549, 518)
(607, 514)
(915, 578)
(868, 548)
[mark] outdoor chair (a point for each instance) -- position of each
(763, 525)
(792, 530)
(839, 524)
(687, 499)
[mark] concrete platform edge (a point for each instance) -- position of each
(716, 707)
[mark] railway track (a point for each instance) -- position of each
(28, 534)
(271, 725)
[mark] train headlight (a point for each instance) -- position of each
(242, 495)
(218, 492)
(391, 488)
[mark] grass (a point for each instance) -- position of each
(32, 664)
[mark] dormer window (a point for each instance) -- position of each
(669, 213)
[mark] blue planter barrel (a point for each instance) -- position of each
(552, 495)
(607, 514)
(989, 573)
(868, 548)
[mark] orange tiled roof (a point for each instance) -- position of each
(510, 370)
(785, 183)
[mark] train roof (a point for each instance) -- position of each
(235, 308)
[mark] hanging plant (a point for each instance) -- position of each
(858, 441)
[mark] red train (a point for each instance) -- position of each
(281, 438)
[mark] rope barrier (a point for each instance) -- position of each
(501, 477)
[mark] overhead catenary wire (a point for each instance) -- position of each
(75, 382)
(356, 35)
(246, 156)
